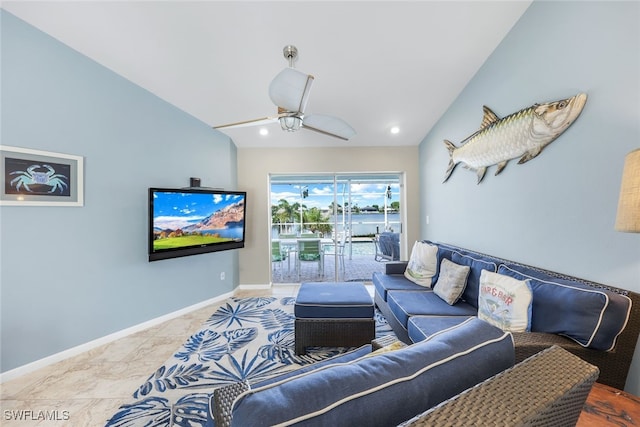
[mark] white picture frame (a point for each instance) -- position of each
(40, 178)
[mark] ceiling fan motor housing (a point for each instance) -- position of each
(290, 54)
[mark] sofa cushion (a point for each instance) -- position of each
(404, 304)
(422, 327)
(505, 302)
(591, 317)
(422, 264)
(355, 354)
(386, 282)
(374, 390)
(477, 264)
(349, 356)
(444, 252)
(451, 281)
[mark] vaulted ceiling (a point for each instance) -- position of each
(376, 64)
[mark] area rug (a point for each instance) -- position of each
(246, 339)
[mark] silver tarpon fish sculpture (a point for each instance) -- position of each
(523, 134)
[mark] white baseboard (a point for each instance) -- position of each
(254, 286)
(74, 351)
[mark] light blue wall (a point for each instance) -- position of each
(558, 210)
(72, 275)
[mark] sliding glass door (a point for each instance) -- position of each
(344, 212)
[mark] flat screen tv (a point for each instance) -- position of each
(194, 221)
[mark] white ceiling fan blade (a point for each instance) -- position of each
(289, 90)
(328, 125)
(246, 123)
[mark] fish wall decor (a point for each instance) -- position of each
(523, 134)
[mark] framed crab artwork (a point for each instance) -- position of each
(40, 178)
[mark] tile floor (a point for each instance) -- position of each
(356, 268)
(87, 389)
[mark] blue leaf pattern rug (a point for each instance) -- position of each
(246, 339)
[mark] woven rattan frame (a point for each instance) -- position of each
(548, 389)
(333, 333)
(224, 398)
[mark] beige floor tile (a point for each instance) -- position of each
(54, 413)
(88, 389)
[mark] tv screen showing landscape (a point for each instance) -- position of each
(186, 222)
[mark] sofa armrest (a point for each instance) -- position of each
(224, 398)
(549, 388)
(395, 267)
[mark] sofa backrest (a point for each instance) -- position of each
(593, 315)
(593, 318)
(476, 261)
(382, 389)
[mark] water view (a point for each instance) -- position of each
(368, 224)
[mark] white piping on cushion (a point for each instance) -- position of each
(265, 387)
(602, 311)
(450, 328)
(479, 260)
(393, 382)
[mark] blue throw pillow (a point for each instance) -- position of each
(591, 317)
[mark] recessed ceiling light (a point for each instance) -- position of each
(264, 131)
(395, 129)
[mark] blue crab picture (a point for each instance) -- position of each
(34, 175)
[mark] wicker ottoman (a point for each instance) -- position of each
(333, 315)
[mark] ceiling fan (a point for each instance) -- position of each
(289, 91)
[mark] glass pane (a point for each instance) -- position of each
(303, 206)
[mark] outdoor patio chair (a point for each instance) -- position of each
(337, 249)
(387, 247)
(278, 256)
(310, 250)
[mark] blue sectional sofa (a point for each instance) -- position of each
(598, 323)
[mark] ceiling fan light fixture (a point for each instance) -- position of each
(289, 91)
(290, 123)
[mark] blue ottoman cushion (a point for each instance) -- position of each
(342, 300)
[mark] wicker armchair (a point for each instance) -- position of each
(547, 389)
